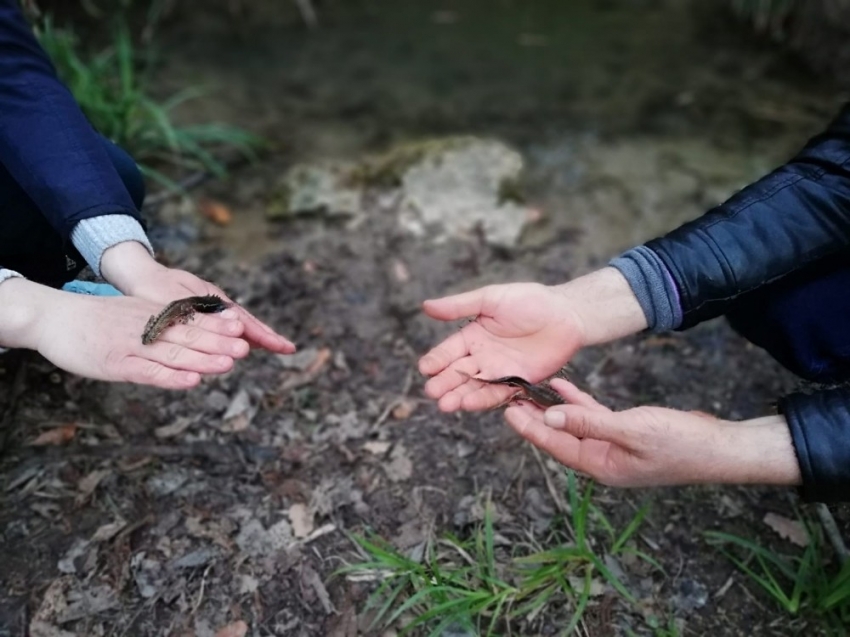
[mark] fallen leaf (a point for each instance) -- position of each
(215, 211)
(597, 588)
(54, 601)
(377, 447)
(239, 413)
(58, 436)
(403, 410)
(311, 578)
(322, 358)
(174, 429)
(300, 360)
(236, 629)
(301, 519)
(400, 467)
(89, 482)
(108, 531)
(43, 629)
(791, 530)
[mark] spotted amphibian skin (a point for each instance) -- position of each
(181, 311)
(541, 395)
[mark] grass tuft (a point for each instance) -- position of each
(111, 88)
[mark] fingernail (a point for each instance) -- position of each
(239, 349)
(234, 327)
(555, 419)
(224, 361)
(229, 314)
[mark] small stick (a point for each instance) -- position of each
(832, 532)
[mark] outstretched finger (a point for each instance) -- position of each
(574, 396)
(261, 335)
(147, 372)
(458, 306)
(440, 357)
(451, 377)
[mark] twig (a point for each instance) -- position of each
(201, 591)
(559, 501)
(832, 532)
(408, 382)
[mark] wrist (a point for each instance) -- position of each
(605, 306)
(759, 451)
(128, 265)
(22, 306)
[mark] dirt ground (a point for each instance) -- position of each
(178, 514)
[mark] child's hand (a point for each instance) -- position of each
(130, 268)
(100, 337)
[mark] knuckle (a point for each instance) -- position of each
(173, 353)
(151, 371)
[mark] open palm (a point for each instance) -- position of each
(520, 329)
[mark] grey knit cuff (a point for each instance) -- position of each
(653, 286)
(8, 274)
(94, 236)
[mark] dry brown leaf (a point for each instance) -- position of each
(323, 356)
(302, 520)
(377, 447)
(108, 531)
(791, 530)
(215, 211)
(58, 436)
(89, 482)
(236, 629)
(174, 429)
(404, 409)
(400, 467)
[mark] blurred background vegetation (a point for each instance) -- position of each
(107, 51)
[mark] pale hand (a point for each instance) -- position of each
(523, 329)
(654, 446)
(520, 329)
(100, 337)
(130, 268)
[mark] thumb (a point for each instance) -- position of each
(452, 308)
(585, 422)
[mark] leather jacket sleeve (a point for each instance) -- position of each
(820, 429)
(797, 214)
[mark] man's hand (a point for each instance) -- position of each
(130, 268)
(100, 337)
(523, 329)
(653, 446)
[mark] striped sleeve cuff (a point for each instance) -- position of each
(94, 236)
(653, 286)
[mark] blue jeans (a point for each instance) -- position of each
(802, 320)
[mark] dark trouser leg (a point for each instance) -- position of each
(30, 245)
(802, 320)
